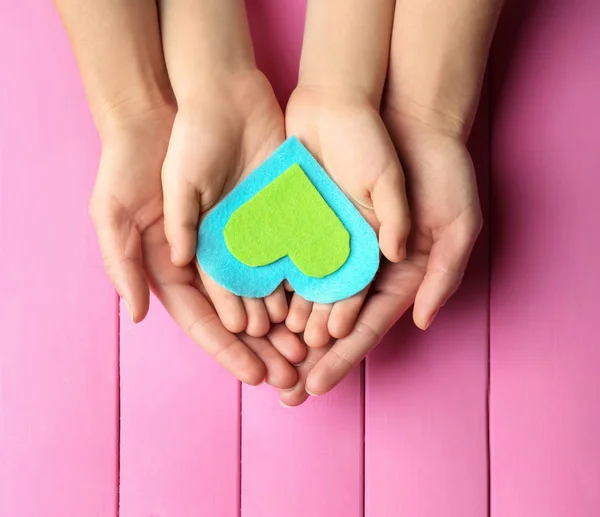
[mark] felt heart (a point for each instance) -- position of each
(289, 217)
(288, 232)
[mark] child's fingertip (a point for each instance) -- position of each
(394, 253)
(174, 255)
(402, 252)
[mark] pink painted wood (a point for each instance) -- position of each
(306, 461)
(303, 461)
(545, 350)
(58, 313)
(425, 413)
(426, 397)
(179, 425)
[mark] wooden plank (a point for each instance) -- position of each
(304, 461)
(426, 398)
(180, 419)
(277, 29)
(58, 312)
(545, 353)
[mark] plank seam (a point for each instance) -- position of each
(490, 124)
(118, 343)
(239, 473)
(363, 394)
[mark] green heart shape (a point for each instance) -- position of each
(289, 217)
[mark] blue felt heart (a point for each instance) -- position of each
(217, 261)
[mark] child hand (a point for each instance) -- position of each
(232, 127)
(228, 122)
(347, 135)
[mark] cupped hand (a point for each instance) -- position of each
(446, 220)
(218, 138)
(127, 209)
(346, 134)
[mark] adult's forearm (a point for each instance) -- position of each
(119, 53)
(346, 45)
(438, 58)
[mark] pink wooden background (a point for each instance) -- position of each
(494, 411)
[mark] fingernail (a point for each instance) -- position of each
(129, 311)
(431, 318)
(310, 393)
(402, 252)
(285, 405)
(289, 389)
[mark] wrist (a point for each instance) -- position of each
(340, 88)
(206, 43)
(434, 112)
(330, 92)
(438, 57)
(221, 90)
(213, 84)
(346, 46)
(143, 112)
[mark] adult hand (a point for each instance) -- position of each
(124, 73)
(446, 220)
(127, 209)
(437, 61)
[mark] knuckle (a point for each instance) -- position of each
(369, 334)
(474, 224)
(469, 228)
(342, 358)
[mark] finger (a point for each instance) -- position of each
(344, 314)
(316, 333)
(120, 243)
(377, 317)
(297, 395)
(391, 209)
(229, 307)
(195, 315)
(298, 314)
(280, 373)
(181, 208)
(276, 304)
(288, 344)
(258, 318)
(445, 269)
(288, 287)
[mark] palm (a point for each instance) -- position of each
(215, 144)
(220, 139)
(348, 136)
(445, 222)
(127, 207)
(445, 209)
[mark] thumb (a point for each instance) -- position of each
(391, 209)
(446, 266)
(181, 207)
(120, 243)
